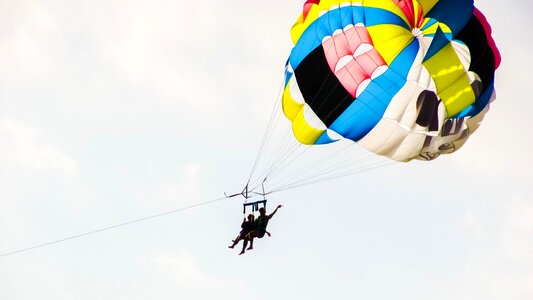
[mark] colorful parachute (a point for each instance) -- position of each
(404, 79)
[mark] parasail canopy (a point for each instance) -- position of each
(375, 82)
(405, 79)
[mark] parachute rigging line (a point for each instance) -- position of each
(313, 173)
(323, 169)
(283, 153)
(110, 227)
(288, 151)
(361, 161)
(273, 119)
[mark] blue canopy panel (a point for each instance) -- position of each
(454, 13)
(368, 109)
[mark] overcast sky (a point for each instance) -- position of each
(116, 110)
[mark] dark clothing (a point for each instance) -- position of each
(246, 227)
(260, 225)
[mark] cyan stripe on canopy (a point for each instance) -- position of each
(339, 19)
(368, 109)
(324, 139)
(428, 24)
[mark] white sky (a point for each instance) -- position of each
(114, 110)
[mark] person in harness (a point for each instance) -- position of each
(259, 231)
(247, 226)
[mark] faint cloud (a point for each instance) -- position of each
(163, 275)
(473, 225)
(26, 49)
(24, 148)
(19, 273)
(35, 175)
(179, 276)
(167, 195)
(499, 261)
(159, 47)
(517, 232)
(489, 153)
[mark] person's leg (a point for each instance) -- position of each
(236, 237)
(244, 243)
(251, 237)
(235, 241)
(251, 244)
